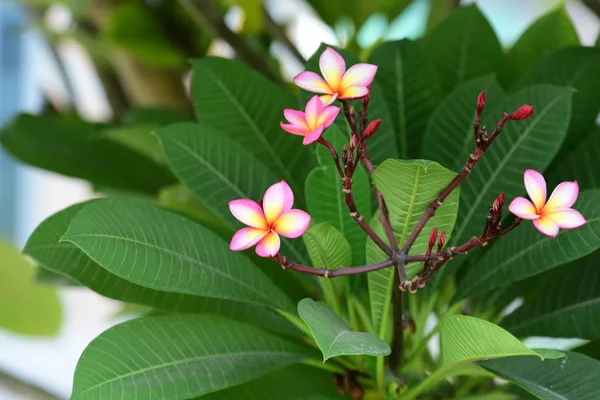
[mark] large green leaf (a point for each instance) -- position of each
(572, 377)
(464, 46)
(26, 307)
(358, 11)
(72, 147)
(380, 144)
(329, 249)
(233, 100)
(217, 170)
(449, 135)
(564, 308)
(161, 250)
(325, 200)
(526, 252)
(411, 91)
(178, 357)
(531, 143)
(581, 163)
(407, 187)
(333, 336)
(551, 32)
(68, 261)
(576, 68)
(289, 383)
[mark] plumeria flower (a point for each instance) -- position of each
(266, 223)
(312, 122)
(338, 83)
(548, 216)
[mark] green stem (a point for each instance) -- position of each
(325, 366)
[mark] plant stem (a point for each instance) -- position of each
(325, 366)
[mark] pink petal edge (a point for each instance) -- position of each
(269, 245)
(563, 197)
(535, 184)
(359, 75)
(248, 212)
(567, 219)
(314, 135)
(295, 129)
(295, 117)
(246, 238)
(278, 200)
(292, 224)
(312, 82)
(523, 208)
(332, 66)
(546, 226)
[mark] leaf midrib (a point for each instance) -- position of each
(499, 166)
(183, 361)
(254, 128)
(178, 255)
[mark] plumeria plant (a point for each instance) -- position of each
(389, 254)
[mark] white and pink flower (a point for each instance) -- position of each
(312, 122)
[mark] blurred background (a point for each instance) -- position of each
(99, 58)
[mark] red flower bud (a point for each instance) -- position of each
(498, 203)
(442, 240)
(433, 237)
(525, 111)
(353, 142)
(480, 101)
(371, 128)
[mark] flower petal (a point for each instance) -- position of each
(246, 238)
(314, 135)
(295, 117)
(567, 219)
(314, 108)
(269, 245)
(327, 116)
(312, 82)
(248, 212)
(535, 184)
(292, 224)
(277, 201)
(295, 129)
(359, 75)
(328, 99)
(332, 67)
(523, 208)
(546, 226)
(563, 197)
(354, 92)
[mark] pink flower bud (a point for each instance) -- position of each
(525, 111)
(442, 240)
(353, 142)
(371, 128)
(433, 237)
(480, 101)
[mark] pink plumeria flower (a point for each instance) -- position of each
(548, 216)
(338, 83)
(266, 223)
(312, 122)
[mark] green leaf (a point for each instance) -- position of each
(72, 147)
(326, 202)
(68, 261)
(139, 138)
(137, 30)
(380, 144)
(358, 11)
(485, 341)
(566, 378)
(563, 308)
(530, 143)
(407, 187)
(576, 68)
(411, 92)
(449, 134)
(464, 46)
(526, 252)
(178, 357)
(580, 163)
(333, 336)
(551, 32)
(45, 276)
(161, 250)
(289, 383)
(26, 307)
(217, 170)
(154, 115)
(231, 99)
(328, 248)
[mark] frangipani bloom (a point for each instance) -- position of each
(266, 223)
(548, 216)
(338, 83)
(312, 122)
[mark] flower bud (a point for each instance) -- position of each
(525, 111)
(481, 101)
(442, 240)
(352, 142)
(498, 203)
(433, 237)
(371, 128)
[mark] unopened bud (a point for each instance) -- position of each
(498, 203)
(481, 101)
(442, 240)
(433, 237)
(371, 128)
(367, 98)
(352, 142)
(525, 111)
